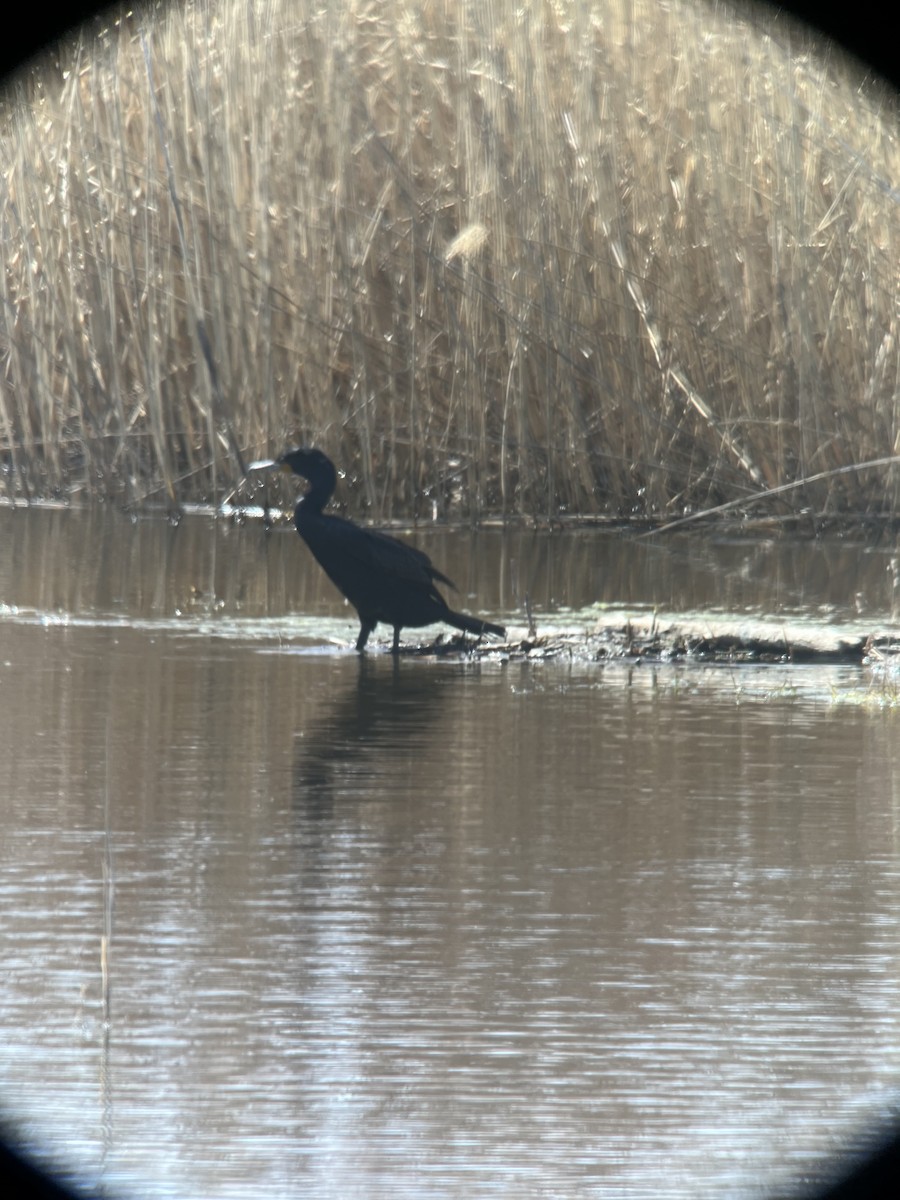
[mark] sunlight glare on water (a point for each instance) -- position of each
(426, 927)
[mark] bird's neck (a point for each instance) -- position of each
(310, 505)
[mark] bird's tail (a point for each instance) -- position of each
(472, 624)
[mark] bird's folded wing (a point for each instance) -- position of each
(389, 555)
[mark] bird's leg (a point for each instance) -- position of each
(365, 628)
(395, 648)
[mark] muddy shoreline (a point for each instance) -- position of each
(717, 640)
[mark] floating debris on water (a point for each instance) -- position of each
(716, 640)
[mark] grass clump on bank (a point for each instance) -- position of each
(538, 258)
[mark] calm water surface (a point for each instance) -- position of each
(278, 918)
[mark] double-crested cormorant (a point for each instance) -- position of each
(383, 578)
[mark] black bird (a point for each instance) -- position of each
(383, 578)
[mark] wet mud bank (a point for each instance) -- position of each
(717, 640)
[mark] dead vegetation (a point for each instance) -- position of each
(509, 260)
(723, 640)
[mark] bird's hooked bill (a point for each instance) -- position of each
(267, 464)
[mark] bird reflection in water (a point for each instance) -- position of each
(365, 733)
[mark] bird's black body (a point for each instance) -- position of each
(383, 578)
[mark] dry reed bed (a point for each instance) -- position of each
(512, 258)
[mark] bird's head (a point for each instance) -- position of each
(312, 465)
(309, 463)
(315, 467)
